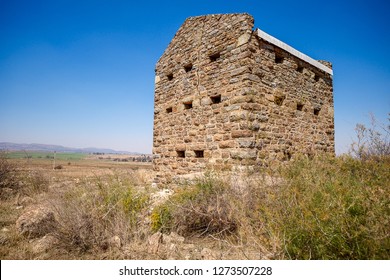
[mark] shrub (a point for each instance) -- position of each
(14, 181)
(92, 213)
(161, 218)
(34, 182)
(334, 208)
(7, 173)
(201, 209)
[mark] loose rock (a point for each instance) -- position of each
(44, 244)
(36, 222)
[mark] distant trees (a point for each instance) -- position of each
(141, 158)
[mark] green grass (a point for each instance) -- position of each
(45, 155)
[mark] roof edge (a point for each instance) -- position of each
(291, 50)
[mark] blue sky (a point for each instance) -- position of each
(81, 73)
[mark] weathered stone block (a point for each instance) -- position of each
(238, 71)
(244, 154)
(227, 144)
(218, 137)
(241, 133)
(205, 101)
(180, 147)
(246, 143)
(243, 39)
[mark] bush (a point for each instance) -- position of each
(14, 181)
(92, 213)
(161, 218)
(7, 173)
(34, 182)
(334, 208)
(203, 208)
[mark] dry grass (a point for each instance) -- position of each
(225, 208)
(16, 187)
(320, 208)
(103, 216)
(96, 207)
(336, 208)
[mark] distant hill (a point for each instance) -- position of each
(60, 149)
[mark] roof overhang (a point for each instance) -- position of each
(294, 52)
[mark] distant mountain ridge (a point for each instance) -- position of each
(61, 149)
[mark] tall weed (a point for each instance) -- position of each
(8, 176)
(372, 142)
(91, 214)
(335, 208)
(199, 209)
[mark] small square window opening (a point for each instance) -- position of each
(188, 105)
(170, 77)
(188, 68)
(181, 154)
(279, 59)
(215, 57)
(216, 99)
(169, 110)
(287, 155)
(199, 153)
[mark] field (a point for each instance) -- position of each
(46, 155)
(74, 165)
(106, 207)
(35, 180)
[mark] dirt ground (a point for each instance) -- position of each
(37, 173)
(82, 196)
(90, 166)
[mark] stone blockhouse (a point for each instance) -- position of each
(229, 95)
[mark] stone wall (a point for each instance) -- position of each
(224, 97)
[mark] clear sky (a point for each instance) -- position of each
(81, 73)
